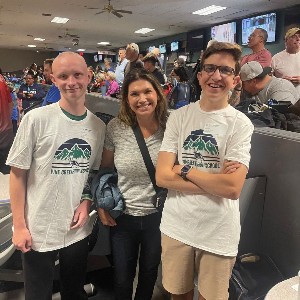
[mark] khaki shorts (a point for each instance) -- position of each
(181, 262)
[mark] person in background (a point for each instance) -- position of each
(30, 92)
(55, 152)
(256, 42)
(262, 86)
(99, 85)
(160, 61)
(107, 64)
(203, 162)
(286, 64)
(135, 235)
(132, 55)
(15, 111)
(120, 68)
(182, 90)
(6, 127)
(113, 87)
(150, 61)
(53, 94)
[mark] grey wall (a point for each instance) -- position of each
(275, 154)
(13, 60)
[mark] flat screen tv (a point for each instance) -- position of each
(151, 48)
(195, 40)
(267, 22)
(224, 32)
(162, 48)
(174, 46)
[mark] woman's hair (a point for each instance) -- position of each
(126, 115)
(111, 75)
(100, 76)
(181, 72)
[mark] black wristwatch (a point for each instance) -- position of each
(184, 171)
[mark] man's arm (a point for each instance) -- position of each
(21, 235)
(223, 185)
(167, 178)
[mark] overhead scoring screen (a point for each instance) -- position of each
(224, 32)
(267, 22)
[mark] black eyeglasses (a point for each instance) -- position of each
(224, 70)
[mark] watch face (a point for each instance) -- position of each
(185, 169)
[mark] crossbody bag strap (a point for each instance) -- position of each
(146, 156)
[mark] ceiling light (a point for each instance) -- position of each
(32, 46)
(103, 43)
(59, 20)
(144, 30)
(81, 50)
(208, 10)
(39, 39)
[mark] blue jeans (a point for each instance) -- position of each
(128, 236)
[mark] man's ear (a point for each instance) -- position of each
(236, 80)
(52, 79)
(199, 75)
(90, 76)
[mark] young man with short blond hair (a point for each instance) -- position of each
(56, 149)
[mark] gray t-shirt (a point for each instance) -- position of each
(278, 89)
(133, 178)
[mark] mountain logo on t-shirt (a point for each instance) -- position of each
(72, 157)
(201, 150)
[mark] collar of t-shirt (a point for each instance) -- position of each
(73, 117)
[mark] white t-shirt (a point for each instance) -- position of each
(286, 64)
(58, 153)
(204, 140)
(133, 178)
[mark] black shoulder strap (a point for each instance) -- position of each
(146, 156)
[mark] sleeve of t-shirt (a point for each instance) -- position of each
(108, 142)
(22, 150)
(170, 140)
(238, 146)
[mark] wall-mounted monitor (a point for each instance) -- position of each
(151, 48)
(224, 32)
(267, 22)
(162, 48)
(174, 46)
(195, 40)
(96, 58)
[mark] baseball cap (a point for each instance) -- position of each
(292, 32)
(253, 69)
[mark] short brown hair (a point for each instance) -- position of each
(218, 47)
(49, 61)
(150, 57)
(126, 115)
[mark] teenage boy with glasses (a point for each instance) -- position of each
(203, 161)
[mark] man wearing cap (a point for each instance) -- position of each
(256, 42)
(262, 86)
(286, 64)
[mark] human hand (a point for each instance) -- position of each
(106, 218)
(81, 215)
(230, 167)
(22, 239)
(295, 79)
